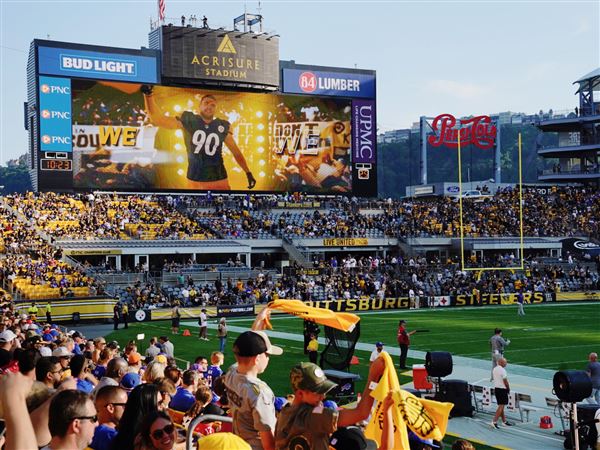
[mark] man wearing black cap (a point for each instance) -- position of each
(252, 401)
(306, 423)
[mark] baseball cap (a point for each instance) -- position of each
(310, 377)
(414, 438)
(61, 352)
(114, 345)
(279, 403)
(161, 359)
(45, 351)
(130, 380)
(33, 339)
(7, 336)
(134, 358)
(351, 438)
(222, 441)
(379, 344)
(331, 405)
(252, 343)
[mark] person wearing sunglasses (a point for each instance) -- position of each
(156, 433)
(110, 404)
(142, 400)
(72, 421)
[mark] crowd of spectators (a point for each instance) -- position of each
(89, 216)
(188, 293)
(398, 276)
(96, 111)
(565, 211)
(45, 277)
(59, 389)
(17, 237)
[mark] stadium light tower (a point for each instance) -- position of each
(247, 20)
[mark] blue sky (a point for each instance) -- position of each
(431, 57)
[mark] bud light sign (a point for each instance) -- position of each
(339, 84)
(55, 114)
(69, 62)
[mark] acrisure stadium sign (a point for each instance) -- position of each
(216, 55)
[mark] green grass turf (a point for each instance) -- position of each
(555, 337)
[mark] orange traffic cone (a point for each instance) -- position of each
(354, 360)
(186, 332)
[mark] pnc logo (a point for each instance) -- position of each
(47, 114)
(46, 139)
(308, 81)
(226, 46)
(45, 89)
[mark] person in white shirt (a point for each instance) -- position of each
(501, 390)
(203, 322)
(597, 417)
(375, 353)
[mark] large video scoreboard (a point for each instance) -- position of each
(104, 118)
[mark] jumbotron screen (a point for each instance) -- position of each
(176, 138)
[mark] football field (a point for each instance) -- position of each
(549, 336)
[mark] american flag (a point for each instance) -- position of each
(161, 10)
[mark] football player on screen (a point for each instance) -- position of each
(204, 136)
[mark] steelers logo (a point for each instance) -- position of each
(221, 128)
(140, 315)
(338, 127)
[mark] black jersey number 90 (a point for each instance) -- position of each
(207, 143)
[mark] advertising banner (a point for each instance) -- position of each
(234, 310)
(345, 242)
(192, 139)
(578, 296)
(74, 63)
(55, 114)
(215, 55)
(362, 304)
(500, 299)
(364, 147)
(341, 84)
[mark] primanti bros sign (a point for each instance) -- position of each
(479, 131)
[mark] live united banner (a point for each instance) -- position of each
(428, 419)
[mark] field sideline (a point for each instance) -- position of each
(550, 336)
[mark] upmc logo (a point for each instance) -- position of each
(50, 89)
(308, 82)
(363, 131)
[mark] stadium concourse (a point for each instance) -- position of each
(53, 250)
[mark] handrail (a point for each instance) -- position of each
(201, 419)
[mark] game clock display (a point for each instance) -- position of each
(57, 164)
